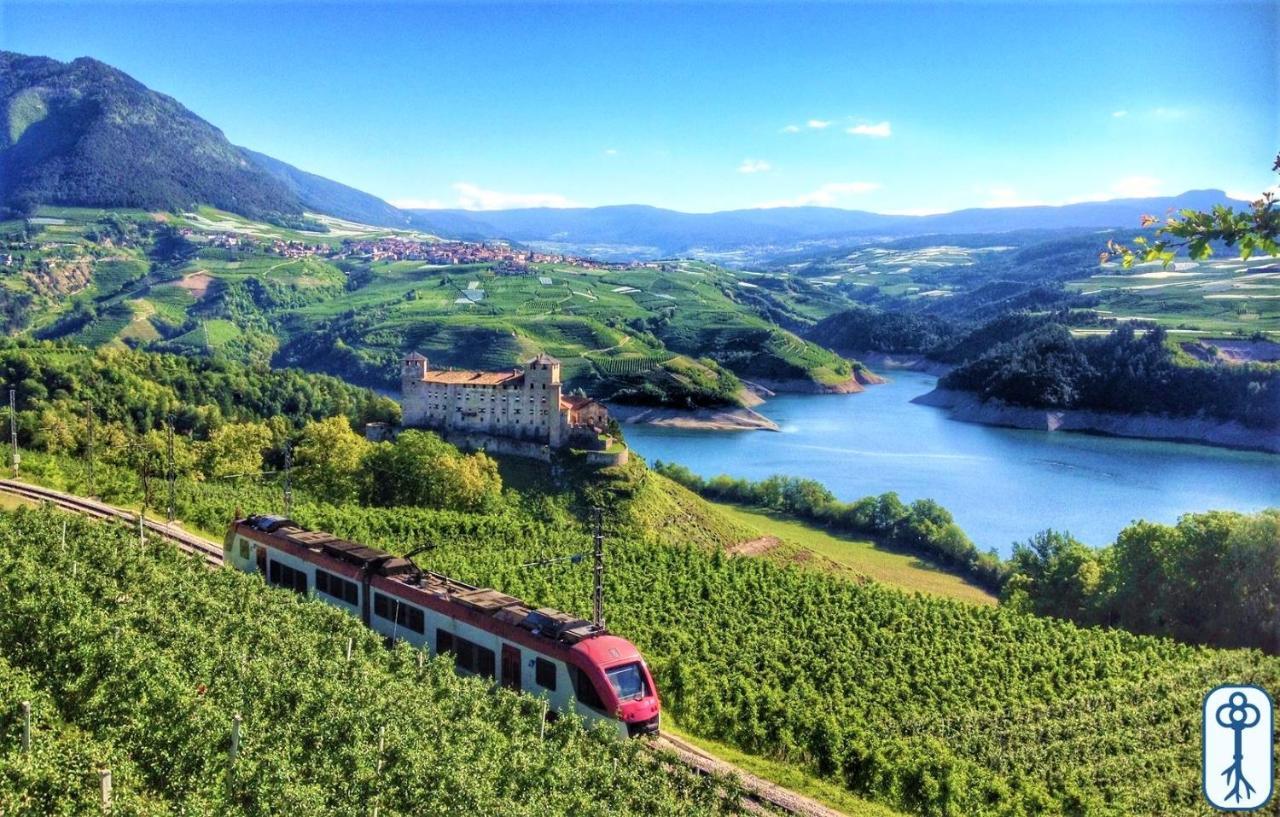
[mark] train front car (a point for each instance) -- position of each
(621, 681)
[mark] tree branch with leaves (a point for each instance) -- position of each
(1253, 231)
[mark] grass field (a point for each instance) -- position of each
(858, 555)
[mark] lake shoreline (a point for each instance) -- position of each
(970, 408)
(1001, 484)
(704, 419)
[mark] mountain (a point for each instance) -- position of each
(327, 196)
(654, 232)
(87, 134)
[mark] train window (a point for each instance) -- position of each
(585, 690)
(464, 654)
(470, 656)
(337, 587)
(285, 576)
(444, 641)
(413, 618)
(544, 673)
(628, 682)
(404, 615)
(485, 662)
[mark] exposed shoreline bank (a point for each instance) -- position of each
(704, 419)
(738, 418)
(970, 408)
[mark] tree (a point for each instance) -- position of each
(419, 468)
(236, 449)
(1056, 575)
(329, 456)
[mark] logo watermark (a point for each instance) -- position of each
(1237, 769)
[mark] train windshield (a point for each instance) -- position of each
(628, 682)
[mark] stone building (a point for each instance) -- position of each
(523, 404)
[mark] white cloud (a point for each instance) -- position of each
(1119, 114)
(1241, 195)
(754, 166)
(819, 124)
(825, 196)
(1136, 187)
(610, 151)
(880, 130)
(791, 129)
(417, 204)
(1169, 113)
(474, 197)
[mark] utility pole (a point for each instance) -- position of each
(288, 486)
(88, 419)
(598, 601)
(144, 476)
(13, 431)
(171, 476)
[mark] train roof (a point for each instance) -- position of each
(542, 621)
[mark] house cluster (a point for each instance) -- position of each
(297, 249)
(508, 260)
(227, 241)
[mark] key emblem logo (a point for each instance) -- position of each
(1237, 769)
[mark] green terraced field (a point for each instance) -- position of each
(613, 328)
(1218, 296)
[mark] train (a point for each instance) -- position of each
(575, 665)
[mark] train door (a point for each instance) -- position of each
(510, 666)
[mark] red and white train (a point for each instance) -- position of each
(576, 666)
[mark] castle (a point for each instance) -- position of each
(526, 405)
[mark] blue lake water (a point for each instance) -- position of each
(1002, 485)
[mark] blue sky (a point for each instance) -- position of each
(893, 107)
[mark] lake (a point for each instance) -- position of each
(1002, 485)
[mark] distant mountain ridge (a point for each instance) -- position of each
(670, 232)
(86, 134)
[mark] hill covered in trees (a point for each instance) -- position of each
(87, 134)
(1120, 372)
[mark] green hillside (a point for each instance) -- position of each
(209, 282)
(927, 705)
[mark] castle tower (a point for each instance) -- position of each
(414, 370)
(542, 379)
(543, 369)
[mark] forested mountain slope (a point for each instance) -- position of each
(87, 134)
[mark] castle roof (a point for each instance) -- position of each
(414, 356)
(470, 377)
(543, 357)
(575, 401)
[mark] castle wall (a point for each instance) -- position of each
(523, 407)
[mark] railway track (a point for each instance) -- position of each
(187, 542)
(759, 795)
